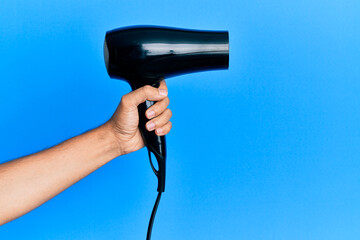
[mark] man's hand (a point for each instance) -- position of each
(27, 182)
(125, 120)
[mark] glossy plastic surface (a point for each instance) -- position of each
(143, 55)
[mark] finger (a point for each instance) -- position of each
(159, 121)
(164, 129)
(163, 85)
(134, 98)
(158, 108)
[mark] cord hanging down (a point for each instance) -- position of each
(148, 236)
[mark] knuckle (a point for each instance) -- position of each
(125, 100)
(169, 112)
(147, 89)
(143, 91)
(158, 108)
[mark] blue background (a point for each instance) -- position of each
(269, 149)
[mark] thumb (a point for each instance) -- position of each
(147, 92)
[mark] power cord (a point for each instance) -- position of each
(148, 236)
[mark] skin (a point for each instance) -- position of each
(30, 181)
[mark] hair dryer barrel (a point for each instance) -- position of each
(153, 53)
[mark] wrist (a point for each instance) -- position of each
(113, 143)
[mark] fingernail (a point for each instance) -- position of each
(150, 114)
(159, 131)
(162, 92)
(150, 126)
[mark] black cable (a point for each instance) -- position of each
(148, 236)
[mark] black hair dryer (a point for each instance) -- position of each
(143, 55)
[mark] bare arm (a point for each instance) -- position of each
(30, 181)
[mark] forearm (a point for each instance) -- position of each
(28, 182)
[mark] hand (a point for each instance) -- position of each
(124, 123)
(28, 182)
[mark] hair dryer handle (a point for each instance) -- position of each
(154, 143)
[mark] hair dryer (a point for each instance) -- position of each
(143, 55)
